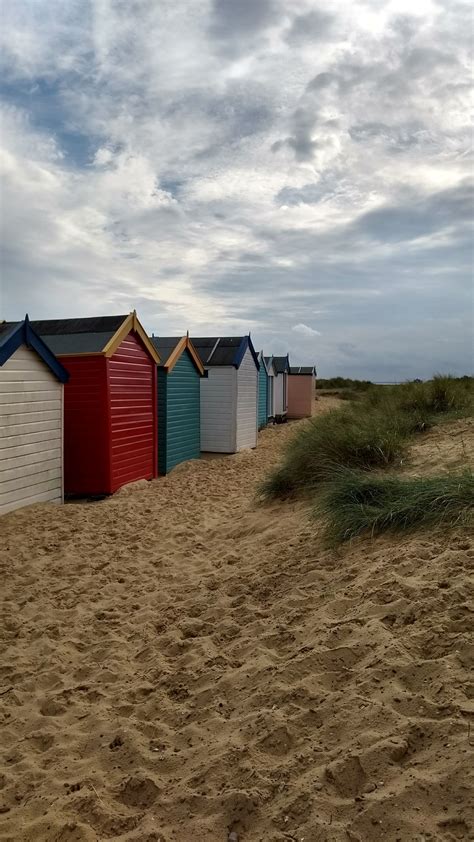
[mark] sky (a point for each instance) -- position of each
(301, 171)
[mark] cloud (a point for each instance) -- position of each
(311, 27)
(304, 330)
(138, 171)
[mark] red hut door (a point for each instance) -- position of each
(131, 376)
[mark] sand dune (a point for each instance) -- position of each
(178, 663)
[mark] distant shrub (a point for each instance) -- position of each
(356, 504)
(343, 383)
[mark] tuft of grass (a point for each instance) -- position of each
(355, 504)
(343, 437)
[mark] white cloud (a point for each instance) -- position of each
(305, 330)
(139, 172)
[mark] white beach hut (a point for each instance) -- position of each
(31, 418)
(229, 393)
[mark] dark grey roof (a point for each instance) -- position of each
(165, 345)
(92, 324)
(302, 369)
(225, 351)
(78, 336)
(7, 327)
(280, 364)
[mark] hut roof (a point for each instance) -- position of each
(224, 350)
(303, 369)
(15, 334)
(92, 335)
(170, 349)
(281, 364)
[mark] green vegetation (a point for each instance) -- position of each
(344, 383)
(332, 453)
(341, 438)
(343, 387)
(354, 504)
(441, 395)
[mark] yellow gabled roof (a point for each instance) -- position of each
(130, 323)
(184, 344)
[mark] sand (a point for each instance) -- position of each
(179, 663)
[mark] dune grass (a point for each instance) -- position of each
(372, 433)
(342, 437)
(354, 504)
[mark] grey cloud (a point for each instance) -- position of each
(310, 194)
(311, 27)
(419, 217)
(232, 20)
(399, 137)
(301, 141)
(322, 80)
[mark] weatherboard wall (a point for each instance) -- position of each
(109, 419)
(218, 410)
(262, 396)
(179, 423)
(246, 401)
(300, 395)
(131, 376)
(31, 432)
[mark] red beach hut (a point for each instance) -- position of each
(110, 403)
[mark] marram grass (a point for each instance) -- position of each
(370, 434)
(355, 504)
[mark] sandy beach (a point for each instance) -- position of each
(179, 662)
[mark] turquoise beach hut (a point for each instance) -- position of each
(262, 392)
(179, 384)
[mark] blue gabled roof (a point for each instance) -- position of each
(14, 334)
(246, 343)
(224, 350)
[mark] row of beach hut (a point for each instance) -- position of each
(89, 405)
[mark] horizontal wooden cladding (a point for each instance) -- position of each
(33, 443)
(12, 429)
(42, 492)
(31, 429)
(34, 457)
(23, 377)
(27, 481)
(131, 380)
(10, 386)
(218, 414)
(44, 396)
(34, 416)
(31, 469)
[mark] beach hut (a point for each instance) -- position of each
(110, 406)
(228, 393)
(179, 421)
(31, 419)
(262, 392)
(271, 388)
(281, 367)
(301, 386)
